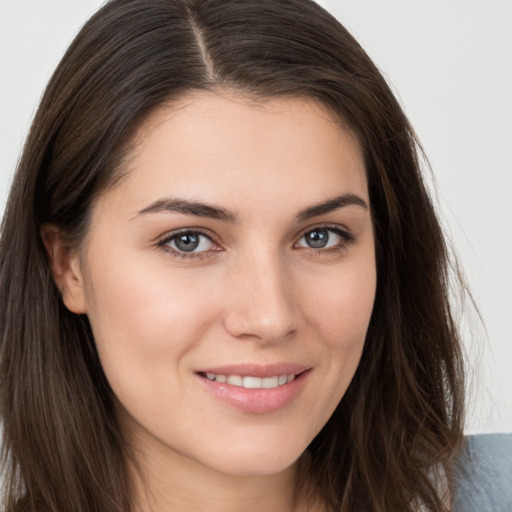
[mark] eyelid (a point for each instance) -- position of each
(175, 232)
(347, 238)
(164, 240)
(343, 231)
(346, 235)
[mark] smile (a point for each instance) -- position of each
(256, 394)
(251, 382)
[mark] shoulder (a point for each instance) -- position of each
(484, 474)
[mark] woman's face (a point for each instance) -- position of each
(229, 280)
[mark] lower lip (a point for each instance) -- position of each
(257, 401)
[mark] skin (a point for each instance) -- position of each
(254, 291)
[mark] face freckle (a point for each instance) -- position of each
(237, 253)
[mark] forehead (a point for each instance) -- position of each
(229, 148)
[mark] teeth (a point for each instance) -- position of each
(270, 382)
(250, 382)
(235, 380)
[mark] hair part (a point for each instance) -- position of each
(401, 418)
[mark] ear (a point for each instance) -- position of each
(65, 266)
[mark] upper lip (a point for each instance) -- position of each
(256, 370)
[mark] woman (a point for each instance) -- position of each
(223, 283)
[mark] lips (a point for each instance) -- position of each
(255, 388)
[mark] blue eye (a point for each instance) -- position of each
(324, 238)
(188, 242)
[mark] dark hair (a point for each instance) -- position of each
(400, 422)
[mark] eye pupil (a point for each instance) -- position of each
(187, 242)
(317, 239)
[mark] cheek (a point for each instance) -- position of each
(146, 316)
(342, 306)
(338, 315)
(341, 316)
(146, 327)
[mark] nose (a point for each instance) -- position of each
(261, 300)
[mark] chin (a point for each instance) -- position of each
(261, 462)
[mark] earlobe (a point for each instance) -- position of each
(65, 267)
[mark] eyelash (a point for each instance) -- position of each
(182, 255)
(346, 237)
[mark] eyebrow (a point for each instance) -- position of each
(189, 207)
(198, 209)
(331, 205)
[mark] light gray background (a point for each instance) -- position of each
(450, 63)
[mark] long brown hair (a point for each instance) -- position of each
(400, 421)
